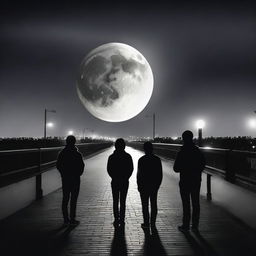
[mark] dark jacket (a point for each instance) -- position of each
(70, 163)
(150, 173)
(190, 163)
(120, 166)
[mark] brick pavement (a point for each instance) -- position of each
(37, 230)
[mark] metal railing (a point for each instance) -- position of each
(17, 165)
(234, 165)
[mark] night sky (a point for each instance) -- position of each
(202, 56)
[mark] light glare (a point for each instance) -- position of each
(252, 123)
(50, 125)
(200, 124)
(70, 132)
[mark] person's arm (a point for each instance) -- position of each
(157, 180)
(160, 172)
(130, 167)
(59, 163)
(177, 163)
(139, 175)
(81, 163)
(109, 166)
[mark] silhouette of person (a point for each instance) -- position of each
(149, 178)
(190, 163)
(120, 168)
(71, 166)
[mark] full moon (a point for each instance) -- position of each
(115, 82)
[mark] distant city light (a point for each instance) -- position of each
(50, 125)
(200, 124)
(252, 123)
(70, 132)
(174, 137)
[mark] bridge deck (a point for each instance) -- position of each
(37, 229)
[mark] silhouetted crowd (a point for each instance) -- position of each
(189, 162)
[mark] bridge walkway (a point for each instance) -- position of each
(37, 229)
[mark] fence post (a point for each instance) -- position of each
(209, 188)
(39, 191)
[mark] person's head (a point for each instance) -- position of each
(120, 144)
(187, 137)
(71, 140)
(148, 147)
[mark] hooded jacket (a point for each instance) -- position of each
(120, 166)
(70, 163)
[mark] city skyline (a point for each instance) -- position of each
(202, 57)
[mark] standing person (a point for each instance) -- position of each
(120, 168)
(71, 166)
(149, 179)
(190, 163)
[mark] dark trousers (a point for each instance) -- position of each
(119, 192)
(145, 197)
(70, 189)
(190, 192)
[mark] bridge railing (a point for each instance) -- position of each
(17, 165)
(234, 165)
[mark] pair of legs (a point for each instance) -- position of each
(119, 192)
(147, 196)
(70, 189)
(190, 192)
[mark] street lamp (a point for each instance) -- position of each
(39, 190)
(45, 120)
(70, 132)
(50, 125)
(252, 123)
(200, 125)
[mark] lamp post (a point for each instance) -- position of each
(200, 125)
(252, 124)
(154, 125)
(254, 113)
(45, 120)
(39, 190)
